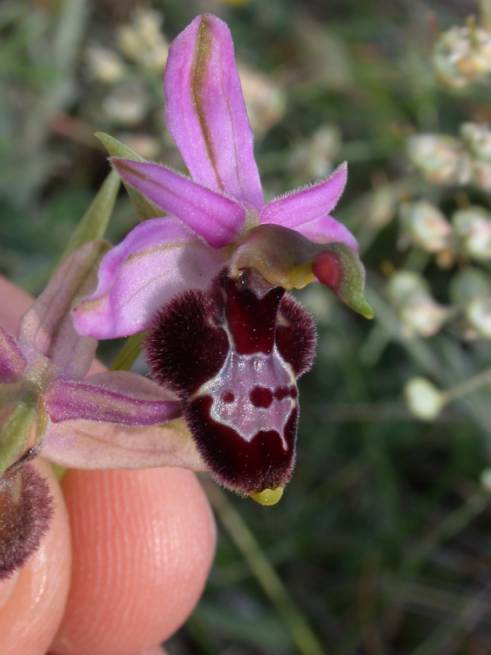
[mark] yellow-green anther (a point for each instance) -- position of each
(268, 497)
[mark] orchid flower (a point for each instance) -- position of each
(47, 408)
(207, 281)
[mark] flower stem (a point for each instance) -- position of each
(10, 392)
(485, 11)
(302, 634)
(129, 352)
(468, 386)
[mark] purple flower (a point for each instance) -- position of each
(208, 280)
(47, 408)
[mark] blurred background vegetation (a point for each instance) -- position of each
(382, 543)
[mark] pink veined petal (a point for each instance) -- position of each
(205, 110)
(12, 361)
(100, 445)
(113, 397)
(158, 259)
(327, 230)
(47, 327)
(304, 209)
(211, 215)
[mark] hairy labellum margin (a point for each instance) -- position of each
(26, 508)
(233, 355)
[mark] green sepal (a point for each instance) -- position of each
(93, 224)
(16, 433)
(143, 207)
(339, 268)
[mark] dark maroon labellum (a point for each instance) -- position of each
(233, 355)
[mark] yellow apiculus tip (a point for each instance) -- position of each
(268, 497)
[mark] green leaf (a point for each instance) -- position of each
(143, 207)
(116, 148)
(94, 222)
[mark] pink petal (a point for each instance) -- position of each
(211, 215)
(12, 361)
(307, 210)
(205, 110)
(114, 397)
(327, 230)
(157, 260)
(47, 326)
(99, 445)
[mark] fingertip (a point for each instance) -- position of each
(154, 650)
(143, 543)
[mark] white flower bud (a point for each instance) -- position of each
(481, 174)
(469, 284)
(104, 64)
(478, 314)
(462, 56)
(148, 23)
(473, 228)
(441, 159)
(418, 311)
(381, 206)
(426, 226)
(403, 285)
(423, 399)
(129, 42)
(477, 137)
(142, 40)
(126, 104)
(423, 316)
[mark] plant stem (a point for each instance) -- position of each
(129, 352)
(11, 391)
(302, 634)
(468, 386)
(485, 10)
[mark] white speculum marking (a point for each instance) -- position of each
(231, 391)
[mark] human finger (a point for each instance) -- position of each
(143, 542)
(32, 609)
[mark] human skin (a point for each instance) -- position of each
(123, 564)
